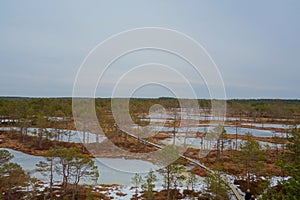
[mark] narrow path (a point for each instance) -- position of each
(231, 186)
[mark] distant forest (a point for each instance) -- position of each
(20, 107)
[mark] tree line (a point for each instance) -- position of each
(18, 108)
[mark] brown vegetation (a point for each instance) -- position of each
(232, 166)
(18, 144)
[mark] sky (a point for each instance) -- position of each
(254, 44)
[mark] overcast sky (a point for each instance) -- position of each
(255, 44)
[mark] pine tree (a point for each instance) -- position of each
(12, 178)
(149, 185)
(251, 157)
(5, 156)
(172, 175)
(216, 187)
(47, 167)
(136, 180)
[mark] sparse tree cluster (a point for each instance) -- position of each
(71, 165)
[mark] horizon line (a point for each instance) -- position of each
(161, 97)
